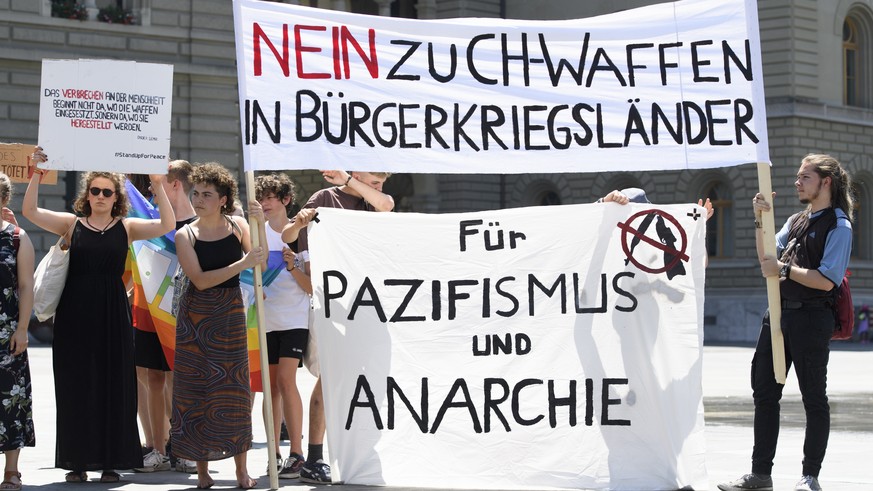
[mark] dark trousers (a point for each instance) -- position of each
(807, 335)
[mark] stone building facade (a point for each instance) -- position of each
(818, 67)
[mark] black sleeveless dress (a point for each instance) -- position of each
(95, 377)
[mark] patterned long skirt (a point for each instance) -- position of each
(211, 393)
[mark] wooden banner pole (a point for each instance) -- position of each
(255, 235)
(774, 300)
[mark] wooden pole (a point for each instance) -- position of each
(774, 300)
(255, 234)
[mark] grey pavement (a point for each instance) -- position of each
(728, 412)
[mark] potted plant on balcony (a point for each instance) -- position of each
(114, 14)
(69, 9)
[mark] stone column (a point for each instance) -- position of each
(384, 7)
(91, 7)
(427, 9)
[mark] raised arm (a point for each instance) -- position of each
(52, 221)
(142, 229)
(301, 220)
(380, 201)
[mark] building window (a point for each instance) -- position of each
(851, 58)
(858, 57)
(719, 227)
(548, 198)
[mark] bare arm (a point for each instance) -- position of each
(770, 266)
(256, 212)
(301, 275)
(141, 229)
(760, 205)
(379, 200)
(301, 220)
(24, 265)
(55, 222)
(207, 279)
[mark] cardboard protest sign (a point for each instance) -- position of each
(668, 86)
(527, 348)
(106, 115)
(15, 163)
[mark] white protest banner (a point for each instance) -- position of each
(106, 115)
(668, 86)
(549, 347)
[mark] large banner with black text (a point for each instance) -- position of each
(547, 347)
(668, 86)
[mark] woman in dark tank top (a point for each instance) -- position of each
(211, 393)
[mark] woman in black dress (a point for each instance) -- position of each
(16, 302)
(93, 355)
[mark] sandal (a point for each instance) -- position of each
(110, 477)
(11, 481)
(76, 476)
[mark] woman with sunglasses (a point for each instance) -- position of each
(92, 350)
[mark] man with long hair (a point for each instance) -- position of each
(814, 247)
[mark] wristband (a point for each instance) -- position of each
(291, 268)
(348, 180)
(758, 223)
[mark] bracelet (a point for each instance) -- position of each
(348, 180)
(293, 266)
(758, 223)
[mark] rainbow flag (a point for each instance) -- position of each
(153, 264)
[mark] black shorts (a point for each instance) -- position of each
(286, 344)
(148, 352)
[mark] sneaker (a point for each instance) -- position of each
(758, 482)
(278, 464)
(186, 466)
(154, 462)
(291, 469)
(807, 483)
(315, 472)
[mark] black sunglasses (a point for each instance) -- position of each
(107, 193)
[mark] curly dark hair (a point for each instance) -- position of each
(278, 184)
(218, 176)
(5, 189)
(119, 209)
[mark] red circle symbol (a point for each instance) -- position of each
(678, 255)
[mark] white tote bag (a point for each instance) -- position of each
(49, 279)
